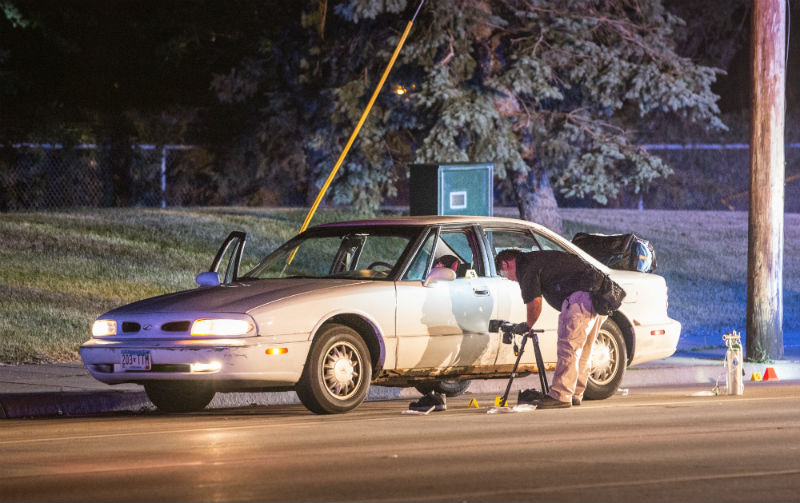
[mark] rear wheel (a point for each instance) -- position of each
(449, 387)
(179, 396)
(609, 359)
(337, 373)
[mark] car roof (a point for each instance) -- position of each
(426, 220)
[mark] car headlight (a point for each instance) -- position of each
(221, 327)
(104, 328)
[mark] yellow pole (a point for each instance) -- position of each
(314, 206)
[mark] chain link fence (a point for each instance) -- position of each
(42, 176)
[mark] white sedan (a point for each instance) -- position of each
(345, 305)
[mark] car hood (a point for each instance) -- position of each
(234, 298)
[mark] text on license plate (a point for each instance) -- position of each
(135, 359)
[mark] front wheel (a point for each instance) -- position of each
(609, 360)
(337, 373)
(179, 396)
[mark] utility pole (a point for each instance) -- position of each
(765, 232)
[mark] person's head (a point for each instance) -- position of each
(448, 261)
(506, 263)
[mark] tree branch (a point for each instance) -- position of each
(452, 51)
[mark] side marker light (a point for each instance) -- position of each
(658, 332)
(277, 351)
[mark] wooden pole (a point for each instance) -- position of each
(767, 166)
(363, 118)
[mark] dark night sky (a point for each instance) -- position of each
(116, 55)
(149, 54)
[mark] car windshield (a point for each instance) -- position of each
(339, 252)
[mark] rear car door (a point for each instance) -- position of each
(511, 308)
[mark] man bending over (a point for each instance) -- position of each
(564, 280)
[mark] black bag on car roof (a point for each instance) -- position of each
(618, 251)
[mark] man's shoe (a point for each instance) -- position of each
(576, 401)
(549, 402)
(432, 401)
(529, 396)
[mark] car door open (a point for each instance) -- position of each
(229, 254)
(443, 316)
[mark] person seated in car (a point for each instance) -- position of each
(448, 261)
(453, 263)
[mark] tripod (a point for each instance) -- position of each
(532, 334)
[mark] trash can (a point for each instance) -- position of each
(451, 189)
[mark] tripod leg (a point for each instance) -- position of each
(514, 370)
(540, 365)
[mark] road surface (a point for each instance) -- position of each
(656, 444)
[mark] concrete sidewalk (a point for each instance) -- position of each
(69, 389)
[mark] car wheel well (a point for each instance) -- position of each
(627, 333)
(368, 333)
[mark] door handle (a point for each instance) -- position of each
(482, 293)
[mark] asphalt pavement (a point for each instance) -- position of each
(657, 444)
(68, 389)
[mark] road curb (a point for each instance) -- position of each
(77, 403)
(22, 405)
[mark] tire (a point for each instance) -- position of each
(337, 373)
(449, 387)
(609, 360)
(179, 396)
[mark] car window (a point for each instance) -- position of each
(307, 260)
(548, 244)
(338, 253)
(420, 264)
(461, 245)
(381, 250)
(501, 240)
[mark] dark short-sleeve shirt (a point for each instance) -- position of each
(554, 275)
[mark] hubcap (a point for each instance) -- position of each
(605, 357)
(341, 370)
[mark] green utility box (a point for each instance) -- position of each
(451, 189)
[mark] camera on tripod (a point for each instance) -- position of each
(506, 327)
(509, 331)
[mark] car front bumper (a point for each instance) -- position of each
(247, 361)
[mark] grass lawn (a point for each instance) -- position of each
(60, 270)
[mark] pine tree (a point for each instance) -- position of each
(551, 92)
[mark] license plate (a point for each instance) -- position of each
(132, 359)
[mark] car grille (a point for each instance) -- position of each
(133, 327)
(130, 327)
(175, 326)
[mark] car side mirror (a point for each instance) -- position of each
(207, 279)
(439, 274)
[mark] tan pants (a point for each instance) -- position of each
(578, 326)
